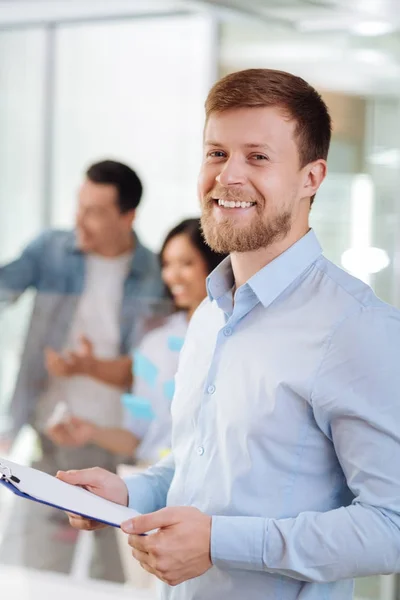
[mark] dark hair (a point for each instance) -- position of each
(129, 187)
(267, 87)
(192, 228)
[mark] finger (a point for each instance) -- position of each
(139, 542)
(70, 359)
(87, 345)
(78, 522)
(149, 569)
(56, 434)
(145, 523)
(142, 557)
(61, 435)
(55, 429)
(74, 421)
(153, 571)
(93, 477)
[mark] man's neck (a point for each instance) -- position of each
(122, 246)
(247, 264)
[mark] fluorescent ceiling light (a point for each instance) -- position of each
(365, 260)
(389, 157)
(375, 58)
(372, 28)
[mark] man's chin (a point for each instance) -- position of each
(84, 244)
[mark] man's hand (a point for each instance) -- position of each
(72, 431)
(58, 365)
(59, 435)
(180, 550)
(72, 363)
(100, 482)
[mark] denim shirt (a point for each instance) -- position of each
(53, 265)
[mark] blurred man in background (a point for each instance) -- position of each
(94, 286)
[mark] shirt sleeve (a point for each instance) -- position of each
(356, 403)
(22, 273)
(148, 491)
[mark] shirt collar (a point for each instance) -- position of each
(139, 264)
(220, 281)
(268, 283)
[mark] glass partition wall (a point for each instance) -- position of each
(133, 90)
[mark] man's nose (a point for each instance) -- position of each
(233, 172)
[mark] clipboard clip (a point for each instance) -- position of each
(6, 473)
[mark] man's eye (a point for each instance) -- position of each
(259, 157)
(216, 154)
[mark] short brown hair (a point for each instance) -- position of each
(267, 87)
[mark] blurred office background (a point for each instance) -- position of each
(83, 80)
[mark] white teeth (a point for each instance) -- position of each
(233, 204)
(177, 289)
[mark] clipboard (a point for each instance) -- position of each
(38, 486)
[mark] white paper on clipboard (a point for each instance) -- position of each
(40, 487)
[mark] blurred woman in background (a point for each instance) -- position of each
(186, 262)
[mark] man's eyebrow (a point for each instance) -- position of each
(260, 145)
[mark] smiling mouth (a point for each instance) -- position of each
(177, 289)
(233, 203)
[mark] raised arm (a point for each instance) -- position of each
(23, 272)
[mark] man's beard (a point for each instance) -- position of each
(227, 235)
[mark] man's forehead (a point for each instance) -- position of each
(261, 127)
(98, 190)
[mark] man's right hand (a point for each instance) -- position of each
(72, 431)
(100, 482)
(71, 363)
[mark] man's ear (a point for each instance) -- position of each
(129, 217)
(314, 174)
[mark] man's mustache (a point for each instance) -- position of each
(229, 195)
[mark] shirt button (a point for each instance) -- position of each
(227, 331)
(200, 450)
(211, 389)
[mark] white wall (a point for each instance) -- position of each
(133, 91)
(21, 137)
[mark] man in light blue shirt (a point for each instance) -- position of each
(283, 481)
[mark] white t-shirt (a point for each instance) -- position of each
(97, 317)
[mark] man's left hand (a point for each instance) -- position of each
(71, 363)
(72, 432)
(179, 550)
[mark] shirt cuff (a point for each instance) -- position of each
(141, 494)
(238, 542)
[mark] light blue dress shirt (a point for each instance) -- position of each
(286, 429)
